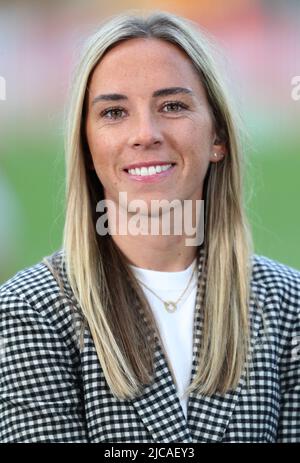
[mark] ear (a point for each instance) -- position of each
(219, 147)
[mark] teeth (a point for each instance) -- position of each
(151, 170)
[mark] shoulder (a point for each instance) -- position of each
(40, 295)
(40, 361)
(279, 285)
(275, 275)
(36, 284)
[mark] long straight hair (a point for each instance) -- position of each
(98, 272)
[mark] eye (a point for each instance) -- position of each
(175, 105)
(112, 113)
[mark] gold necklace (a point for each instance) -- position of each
(171, 306)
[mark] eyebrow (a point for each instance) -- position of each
(157, 93)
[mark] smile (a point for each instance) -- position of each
(151, 170)
(151, 173)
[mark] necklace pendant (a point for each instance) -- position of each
(170, 306)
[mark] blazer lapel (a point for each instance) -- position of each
(208, 417)
(159, 407)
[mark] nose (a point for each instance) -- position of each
(145, 132)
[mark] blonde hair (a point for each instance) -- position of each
(102, 282)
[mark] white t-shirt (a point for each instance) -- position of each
(176, 328)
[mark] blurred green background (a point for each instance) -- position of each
(273, 192)
(38, 44)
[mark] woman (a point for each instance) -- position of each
(141, 337)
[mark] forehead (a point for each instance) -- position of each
(147, 60)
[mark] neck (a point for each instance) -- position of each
(161, 253)
(153, 251)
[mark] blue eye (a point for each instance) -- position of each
(111, 111)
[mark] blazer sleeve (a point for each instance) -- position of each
(289, 421)
(40, 397)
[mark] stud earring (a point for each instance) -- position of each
(216, 155)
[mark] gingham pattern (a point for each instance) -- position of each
(52, 389)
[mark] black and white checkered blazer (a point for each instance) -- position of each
(52, 389)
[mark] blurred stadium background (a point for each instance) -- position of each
(39, 43)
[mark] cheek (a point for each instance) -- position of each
(101, 150)
(196, 149)
(104, 156)
(196, 135)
